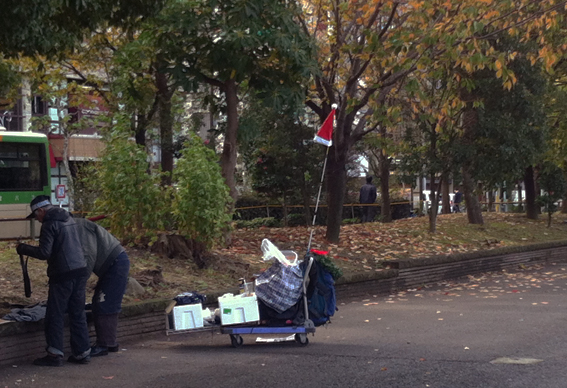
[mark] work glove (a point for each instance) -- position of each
(21, 249)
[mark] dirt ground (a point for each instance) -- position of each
(363, 248)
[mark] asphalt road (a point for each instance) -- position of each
(496, 330)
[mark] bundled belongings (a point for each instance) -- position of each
(31, 313)
(280, 286)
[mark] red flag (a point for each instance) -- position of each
(52, 161)
(325, 134)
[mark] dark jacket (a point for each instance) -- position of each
(368, 193)
(458, 197)
(99, 246)
(60, 245)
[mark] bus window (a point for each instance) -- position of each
(22, 167)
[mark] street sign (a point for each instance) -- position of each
(60, 192)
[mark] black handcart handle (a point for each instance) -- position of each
(27, 282)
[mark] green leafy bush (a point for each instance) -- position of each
(295, 219)
(269, 222)
(326, 262)
(135, 204)
(201, 197)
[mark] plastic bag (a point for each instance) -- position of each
(270, 251)
(190, 298)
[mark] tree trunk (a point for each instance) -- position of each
(336, 186)
(474, 212)
(228, 157)
(386, 210)
(285, 213)
(564, 200)
(446, 208)
(531, 206)
(421, 201)
(537, 188)
(68, 173)
(520, 197)
(470, 120)
(306, 201)
(490, 201)
(165, 126)
(140, 129)
(434, 205)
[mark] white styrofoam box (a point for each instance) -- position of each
(188, 316)
(238, 309)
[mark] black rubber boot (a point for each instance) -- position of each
(75, 360)
(49, 361)
(114, 349)
(106, 327)
(97, 351)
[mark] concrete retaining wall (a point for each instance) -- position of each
(21, 342)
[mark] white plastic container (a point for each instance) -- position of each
(188, 316)
(238, 309)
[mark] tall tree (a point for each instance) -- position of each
(234, 44)
(368, 49)
(283, 162)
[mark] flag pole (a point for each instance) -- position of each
(334, 106)
(317, 203)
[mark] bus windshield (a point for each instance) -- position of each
(22, 167)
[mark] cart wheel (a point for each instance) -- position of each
(302, 339)
(236, 340)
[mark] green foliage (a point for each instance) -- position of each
(326, 262)
(279, 153)
(257, 41)
(511, 126)
(269, 222)
(295, 219)
(201, 201)
(8, 77)
(136, 205)
(49, 27)
(86, 189)
(349, 221)
(552, 182)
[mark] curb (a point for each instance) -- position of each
(20, 340)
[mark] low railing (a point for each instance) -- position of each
(32, 229)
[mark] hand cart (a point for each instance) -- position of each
(300, 331)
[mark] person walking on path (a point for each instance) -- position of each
(367, 196)
(109, 261)
(457, 201)
(60, 246)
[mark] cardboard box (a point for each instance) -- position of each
(188, 316)
(238, 309)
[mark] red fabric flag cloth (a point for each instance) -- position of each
(325, 134)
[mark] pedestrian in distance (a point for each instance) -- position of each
(60, 246)
(457, 201)
(109, 261)
(367, 196)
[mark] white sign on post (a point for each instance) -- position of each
(60, 194)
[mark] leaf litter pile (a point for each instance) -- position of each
(363, 248)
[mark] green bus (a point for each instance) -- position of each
(25, 172)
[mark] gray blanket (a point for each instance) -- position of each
(27, 314)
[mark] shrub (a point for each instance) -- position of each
(258, 222)
(201, 197)
(135, 204)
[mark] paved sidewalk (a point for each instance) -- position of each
(443, 335)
